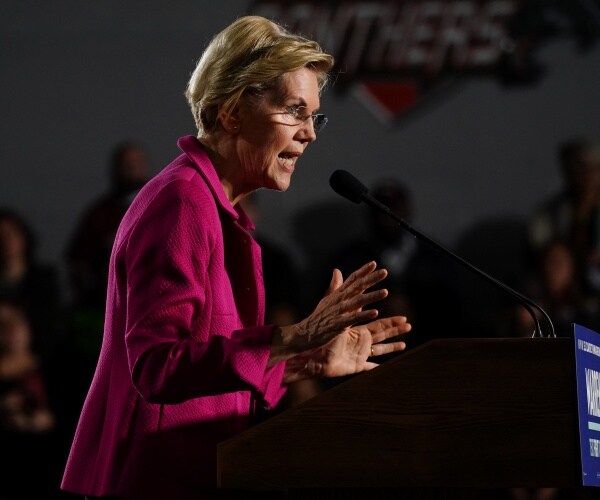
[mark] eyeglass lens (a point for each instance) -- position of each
(319, 121)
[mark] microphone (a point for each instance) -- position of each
(348, 186)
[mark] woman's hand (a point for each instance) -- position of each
(341, 307)
(349, 352)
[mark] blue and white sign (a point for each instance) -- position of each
(587, 361)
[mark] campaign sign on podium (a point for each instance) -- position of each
(587, 360)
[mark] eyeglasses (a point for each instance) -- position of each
(319, 119)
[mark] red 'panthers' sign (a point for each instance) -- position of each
(400, 51)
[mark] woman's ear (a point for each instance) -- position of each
(230, 120)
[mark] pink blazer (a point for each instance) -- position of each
(184, 348)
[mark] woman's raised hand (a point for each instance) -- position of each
(350, 352)
(341, 308)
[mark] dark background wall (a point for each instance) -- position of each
(77, 77)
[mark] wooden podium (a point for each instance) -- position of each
(450, 413)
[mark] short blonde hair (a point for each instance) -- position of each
(250, 55)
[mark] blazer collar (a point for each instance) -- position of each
(194, 150)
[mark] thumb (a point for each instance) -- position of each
(336, 281)
(369, 366)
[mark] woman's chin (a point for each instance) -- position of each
(280, 183)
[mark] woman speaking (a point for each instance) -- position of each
(185, 356)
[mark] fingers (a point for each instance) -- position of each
(336, 281)
(350, 294)
(363, 278)
(364, 299)
(358, 317)
(386, 328)
(380, 349)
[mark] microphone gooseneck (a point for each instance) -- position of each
(348, 186)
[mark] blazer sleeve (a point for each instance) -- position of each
(166, 269)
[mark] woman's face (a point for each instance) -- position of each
(270, 141)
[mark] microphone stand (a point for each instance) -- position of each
(527, 303)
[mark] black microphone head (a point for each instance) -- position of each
(348, 186)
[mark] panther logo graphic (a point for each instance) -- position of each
(398, 56)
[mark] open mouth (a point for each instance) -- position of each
(288, 159)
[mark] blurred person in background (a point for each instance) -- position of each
(88, 251)
(418, 281)
(573, 214)
(88, 256)
(558, 287)
(27, 451)
(25, 280)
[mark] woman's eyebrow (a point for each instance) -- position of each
(301, 101)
